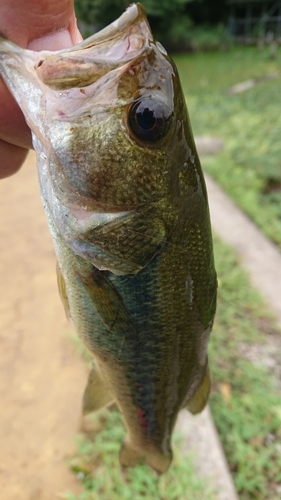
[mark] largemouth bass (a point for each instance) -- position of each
(127, 208)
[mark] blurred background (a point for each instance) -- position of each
(229, 59)
(190, 25)
(228, 56)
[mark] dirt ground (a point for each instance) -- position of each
(41, 376)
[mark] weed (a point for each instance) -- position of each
(245, 400)
(249, 167)
(96, 463)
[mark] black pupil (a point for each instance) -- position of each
(149, 118)
(146, 119)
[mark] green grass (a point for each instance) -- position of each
(97, 465)
(249, 167)
(245, 403)
(245, 400)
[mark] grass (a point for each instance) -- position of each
(245, 403)
(245, 400)
(96, 464)
(249, 167)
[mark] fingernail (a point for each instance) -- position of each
(53, 41)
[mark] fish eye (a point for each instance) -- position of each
(149, 118)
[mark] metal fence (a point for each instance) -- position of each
(251, 21)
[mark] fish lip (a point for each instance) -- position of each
(134, 14)
(109, 49)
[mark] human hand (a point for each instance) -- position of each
(40, 25)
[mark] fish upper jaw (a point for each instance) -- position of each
(85, 63)
(37, 79)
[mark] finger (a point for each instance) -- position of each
(13, 127)
(26, 21)
(44, 24)
(12, 158)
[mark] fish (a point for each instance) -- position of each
(127, 208)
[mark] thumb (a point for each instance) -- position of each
(63, 38)
(40, 25)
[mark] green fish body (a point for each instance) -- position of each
(127, 208)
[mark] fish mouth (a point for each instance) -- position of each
(134, 15)
(81, 87)
(85, 63)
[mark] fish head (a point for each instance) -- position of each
(109, 126)
(113, 129)
(113, 117)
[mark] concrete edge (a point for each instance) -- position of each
(262, 259)
(200, 437)
(259, 256)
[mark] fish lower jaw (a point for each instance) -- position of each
(131, 455)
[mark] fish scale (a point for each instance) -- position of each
(126, 203)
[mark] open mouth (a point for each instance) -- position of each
(105, 51)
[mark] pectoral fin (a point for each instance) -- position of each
(109, 304)
(199, 400)
(96, 395)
